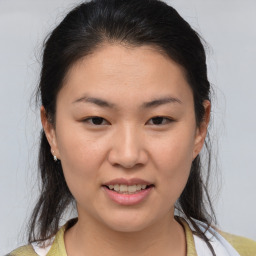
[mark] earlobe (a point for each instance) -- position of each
(201, 131)
(50, 133)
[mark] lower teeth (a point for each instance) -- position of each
(127, 192)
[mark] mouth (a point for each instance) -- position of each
(128, 189)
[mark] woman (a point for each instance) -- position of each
(125, 107)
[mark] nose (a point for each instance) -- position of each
(127, 148)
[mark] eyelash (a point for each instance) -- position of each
(167, 119)
(98, 118)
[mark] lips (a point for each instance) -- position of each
(127, 192)
(125, 186)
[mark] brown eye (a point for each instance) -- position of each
(160, 120)
(96, 120)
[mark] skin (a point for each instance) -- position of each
(127, 143)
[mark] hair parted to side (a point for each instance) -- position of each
(131, 23)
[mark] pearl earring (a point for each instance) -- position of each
(54, 157)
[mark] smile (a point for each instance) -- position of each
(128, 195)
(126, 189)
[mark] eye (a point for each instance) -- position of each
(160, 120)
(96, 120)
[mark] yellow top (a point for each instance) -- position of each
(244, 246)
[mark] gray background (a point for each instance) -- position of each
(229, 29)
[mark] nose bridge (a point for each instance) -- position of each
(127, 147)
(130, 141)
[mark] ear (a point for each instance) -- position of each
(201, 131)
(50, 132)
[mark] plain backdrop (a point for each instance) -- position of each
(227, 26)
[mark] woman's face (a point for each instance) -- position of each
(125, 121)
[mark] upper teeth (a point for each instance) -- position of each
(125, 188)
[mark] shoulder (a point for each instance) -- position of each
(52, 247)
(33, 249)
(222, 242)
(245, 246)
(26, 250)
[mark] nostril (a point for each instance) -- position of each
(127, 158)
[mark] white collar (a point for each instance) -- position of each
(220, 245)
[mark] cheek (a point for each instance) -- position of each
(174, 149)
(81, 155)
(76, 146)
(173, 159)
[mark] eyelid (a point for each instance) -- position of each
(168, 119)
(86, 120)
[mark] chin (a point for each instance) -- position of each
(128, 222)
(127, 227)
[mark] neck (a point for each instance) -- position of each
(165, 238)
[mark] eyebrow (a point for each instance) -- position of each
(161, 101)
(96, 101)
(150, 104)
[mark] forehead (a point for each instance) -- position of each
(119, 72)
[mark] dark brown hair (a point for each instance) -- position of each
(133, 23)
